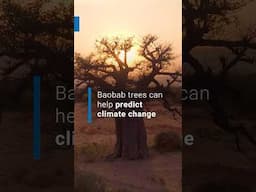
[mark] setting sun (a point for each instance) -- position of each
(131, 55)
(103, 18)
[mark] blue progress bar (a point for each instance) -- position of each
(76, 24)
(36, 117)
(89, 112)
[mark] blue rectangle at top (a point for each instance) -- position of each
(76, 24)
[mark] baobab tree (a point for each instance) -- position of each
(203, 26)
(37, 38)
(109, 69)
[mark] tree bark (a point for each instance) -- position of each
(131, 139)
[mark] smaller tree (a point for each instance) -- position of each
(109, 68)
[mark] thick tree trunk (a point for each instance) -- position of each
(131, 138)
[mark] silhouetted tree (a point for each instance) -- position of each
(36, 38)
(105, 69)
(203, 24)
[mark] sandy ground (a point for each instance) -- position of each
(159, 173)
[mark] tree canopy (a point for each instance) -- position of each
(37, 35)
(109, 66)
(204, 24)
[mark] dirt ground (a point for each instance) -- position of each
(18, 170)
(214, 163)
(159, 173)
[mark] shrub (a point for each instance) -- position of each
(167, 142)
(92, 152)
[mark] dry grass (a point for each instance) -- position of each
(90, 182)
(91, 152)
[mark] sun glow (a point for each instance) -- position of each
(132, 54)
(130, 57)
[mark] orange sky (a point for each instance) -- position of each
(139, 17)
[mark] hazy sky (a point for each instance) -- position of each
(139, 17)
